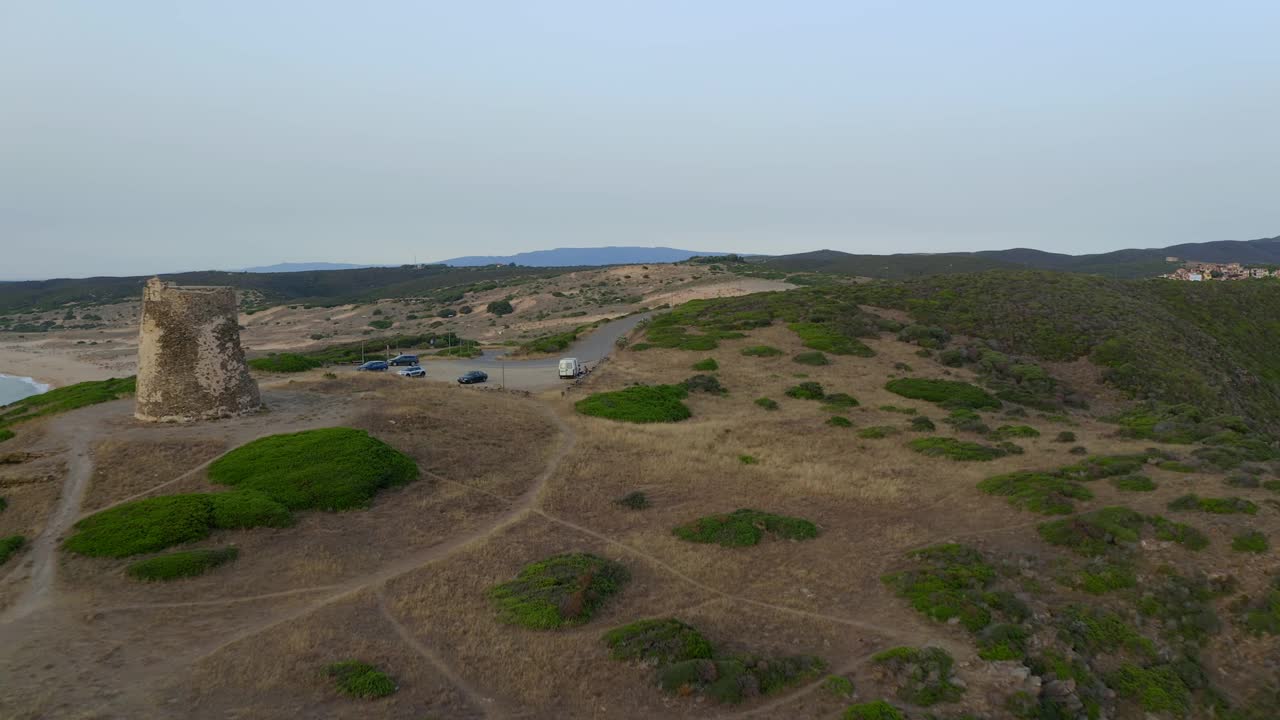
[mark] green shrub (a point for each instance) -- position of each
(1156, 689)
(562, 590)
(1251, 542)
(925, 336)
(462, 351)
(285, 363)
(155, 523)
(806, 391)
(876, 432)
(1037, 492)
(638, 404)
(761, 351)
(745, 527)
(1218, 506)
(550, 343)
(704, 383)
(896, 409)
(948, 393)
(839, 686)
(634, 500)
(658, 642)
(10, 545)
(767, 404)
(708, 365)
(381, 324)
(1095, 533)
(5, 434)
(1101, 575)
(1093, 630)
(923, 675)
(361, 680)
(949, 581)
(922, 424)
(1261, 616)
(189, 563)
(1133, 483)
(733, 680)
(748, 460)
(1102, 466)
(1012, 431)
(820, 336)
(1175, 466)
(329, 469)
(956, 449)
(1184, 535)
(877, 710)
(500, 308)
(811, 358)
(1065, 436)
(3, 504)
(839, 421)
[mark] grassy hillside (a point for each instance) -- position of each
(1209, 344)
(325, 287)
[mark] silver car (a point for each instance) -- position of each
(416, 371)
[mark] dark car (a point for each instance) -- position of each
(374, 366)
(475, 376)
(409, 360)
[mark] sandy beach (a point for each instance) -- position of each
(53, 367)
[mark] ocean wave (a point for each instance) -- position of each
(15, 391)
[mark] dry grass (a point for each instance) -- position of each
(122, 468)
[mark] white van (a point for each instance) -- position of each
(570, 368)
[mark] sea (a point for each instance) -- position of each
(14, 388)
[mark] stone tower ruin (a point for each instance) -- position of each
(190, 363)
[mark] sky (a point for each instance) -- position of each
(140, 137)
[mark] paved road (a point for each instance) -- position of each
(533, 374)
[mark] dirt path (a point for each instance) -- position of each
(75, 430)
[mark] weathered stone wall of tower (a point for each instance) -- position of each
(190, 363)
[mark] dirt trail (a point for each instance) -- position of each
(75, 430)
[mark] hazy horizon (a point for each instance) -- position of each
(144, 137)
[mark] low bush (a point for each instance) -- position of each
(708, 365)
(500, 308)
(732, 680)
(839, 400)
(1177, 532)
(328, 469)
(839, 421)
(173, 566)
(1260, 616)
(9, 546)
(1218, 506)
(1157, 689)
(1103, 575)
(462, 351)
(1038, 492)
(923, 675)
(948, 393)
(562, 590)
(767, 404)
(748, 460)
(1014, 431)
(821, 336)
(761, 351)
(745, 527)
(811, 358)
(381, 324)
(922, 424)
(896, 409)
(704, 383)
(1175, 466)
(1133, 483)
(954, 581)
(876, 432)
(956, 449)
(156, 523)
(1095, 533)
(638, 404)
(1091, 630)
(838, 685)
(285, 363)
(806, 391)
(550, 343)
(1103, 466)
(1066, 436)
(361, 680)
(657, 642)
(1252, 541)
(926, 336)
(634, 500)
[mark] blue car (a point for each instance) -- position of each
(374, 366)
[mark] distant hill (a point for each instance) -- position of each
(569, 257)
(1133, 263)
(305, 267)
